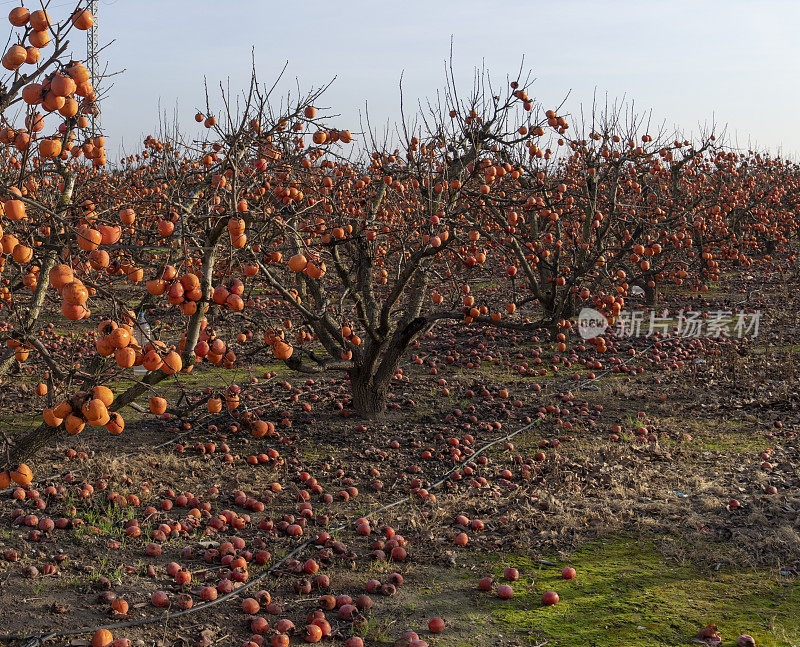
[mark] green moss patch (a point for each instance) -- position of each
(627, 593)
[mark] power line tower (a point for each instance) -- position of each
(93, 56)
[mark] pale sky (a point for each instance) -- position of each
(734, 61)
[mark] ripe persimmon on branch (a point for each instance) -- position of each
(37, 181)
(66, 93)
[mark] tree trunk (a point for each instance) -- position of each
(6, 364)
(557, 306)
(369, 398)
(651, 295)
(29, 444)
(568, 309)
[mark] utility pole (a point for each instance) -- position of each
(93, 56)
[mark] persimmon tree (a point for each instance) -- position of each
(106, 243)
(361, 249)
(340, 250)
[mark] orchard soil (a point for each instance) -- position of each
(687, 514)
